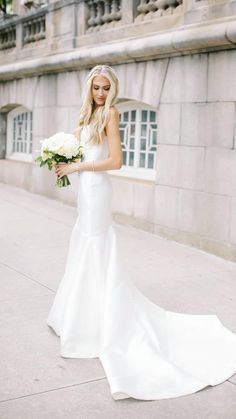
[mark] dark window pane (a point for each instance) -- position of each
(122, 126)
(132, 142)
(131, 158)
(154, 137)
(150, 161)
(133, 115)
(144, 116)
(143, 130)
(142, 160)
(126, 116)
(152, 116)
(132, 129)
(124, 156)
(143, 144)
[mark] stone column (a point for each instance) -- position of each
(83, 14)
(129, 11)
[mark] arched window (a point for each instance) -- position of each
(138, 131)
(19, 134)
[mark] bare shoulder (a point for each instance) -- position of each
(113, 112)
(113, 120)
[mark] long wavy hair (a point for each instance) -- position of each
(98, 116)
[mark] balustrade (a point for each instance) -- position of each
(68, 21)
(103, 14)
(8, 38)
(149, 9)
(34, 30)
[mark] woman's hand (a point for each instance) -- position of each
(65, 169)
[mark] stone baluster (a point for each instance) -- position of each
(142, 7)
(149, 9)
(115, 10)
(107, 12)
(161, 7)
(92, 13)
(103, 14)
(8, 38)
(34, 30)
(100, 11)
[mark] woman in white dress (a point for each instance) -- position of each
(147, 352)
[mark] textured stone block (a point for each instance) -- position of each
(169, 124)
(206, 214)
(21, 91)
(73, 117)
(220, 171)
(143, 201)
(180, 166)
(208, 124)
(149, 79)
(166, 205)
(45, 91)
(62, 119)
(70, 86)
(221, 80)
(45, 121)
(186, 79)
(63, 21)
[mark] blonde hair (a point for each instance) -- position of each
(97, 117)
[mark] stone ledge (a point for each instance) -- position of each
(197, 39)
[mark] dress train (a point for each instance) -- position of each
(147, 352)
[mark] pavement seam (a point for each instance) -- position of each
(53, 389)
(26, 276)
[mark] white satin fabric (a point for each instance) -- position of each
(147, 352)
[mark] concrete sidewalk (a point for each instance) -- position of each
(35, 382)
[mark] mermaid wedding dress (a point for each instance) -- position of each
(147, 352)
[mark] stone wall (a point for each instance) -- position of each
(193, 199)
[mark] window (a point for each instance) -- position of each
(138, 131)
(19, 134)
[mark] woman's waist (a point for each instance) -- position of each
(90, 174)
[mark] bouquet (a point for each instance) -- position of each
(60, 148)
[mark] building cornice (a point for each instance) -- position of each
(216, 35)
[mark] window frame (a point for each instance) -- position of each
(28, 157)
(129, 171)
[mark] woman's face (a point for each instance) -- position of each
(100, 89)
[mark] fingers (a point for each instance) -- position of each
(59, 170)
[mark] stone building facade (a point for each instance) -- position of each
(176, 62)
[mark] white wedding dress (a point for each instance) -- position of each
(147, 352)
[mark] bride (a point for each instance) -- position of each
(147, 352)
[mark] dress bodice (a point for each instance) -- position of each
(92, 151)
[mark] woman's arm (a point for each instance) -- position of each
(114, 161)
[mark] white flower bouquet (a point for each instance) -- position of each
(60, 148)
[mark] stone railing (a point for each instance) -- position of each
(151, 9)
(103, 13)
(58, 26)
(8, 37)
(34, 29)
(20, 31)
